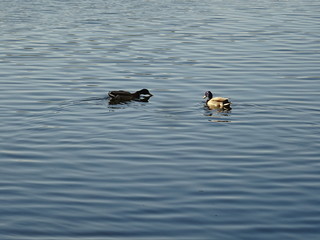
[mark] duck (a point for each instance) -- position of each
(216, 102)
(123, 96)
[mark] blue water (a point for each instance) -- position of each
(72, 166)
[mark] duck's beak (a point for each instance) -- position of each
(204, 96)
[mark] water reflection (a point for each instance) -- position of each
(217, 114)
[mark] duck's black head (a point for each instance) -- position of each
(208, 95)
(145, 92)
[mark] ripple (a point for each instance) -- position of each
(73, 166)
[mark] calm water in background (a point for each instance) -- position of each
(74, 167)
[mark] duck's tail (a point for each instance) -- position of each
(227, 104)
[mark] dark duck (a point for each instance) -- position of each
(142, 95)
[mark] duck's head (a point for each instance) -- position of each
(144, 92)
(208, 95)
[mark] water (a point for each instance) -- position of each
(74, 167)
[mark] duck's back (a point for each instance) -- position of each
(120, 94)
(219, 99)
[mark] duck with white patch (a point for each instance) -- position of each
(216, 102)
(142, 95)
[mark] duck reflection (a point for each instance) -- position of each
(218, 115)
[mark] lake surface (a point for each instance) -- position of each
(73, 166)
